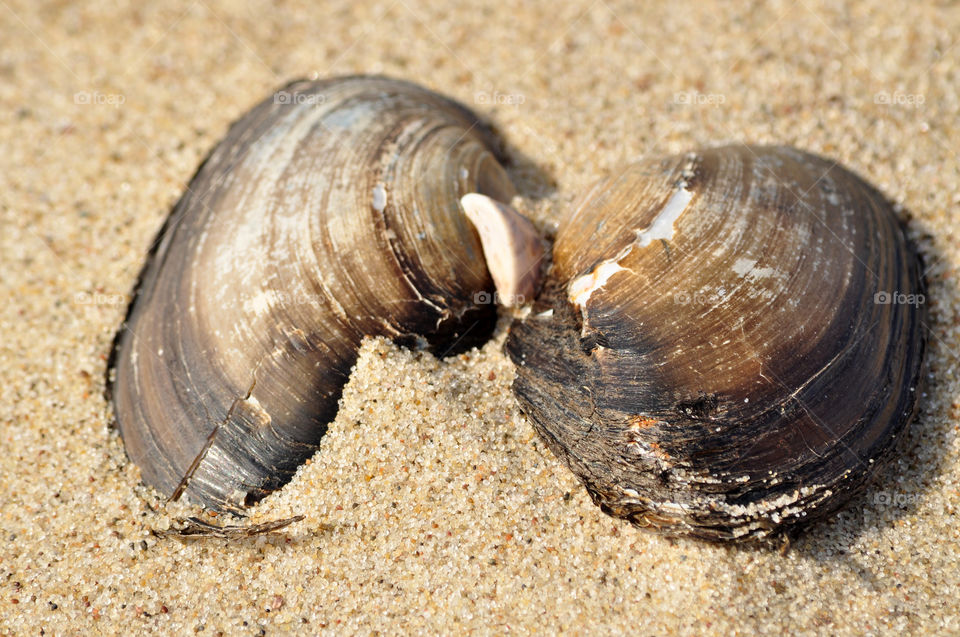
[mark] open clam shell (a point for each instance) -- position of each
(729, 344)
(329, 212)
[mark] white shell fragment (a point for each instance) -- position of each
(511, 246)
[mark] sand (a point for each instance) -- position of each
(433, 507)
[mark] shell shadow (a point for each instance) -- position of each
(532, 180)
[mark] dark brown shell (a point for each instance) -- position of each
(747, 347)
(329, 212)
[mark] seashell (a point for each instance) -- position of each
(330, 212)
(512, 248)
(729, 343)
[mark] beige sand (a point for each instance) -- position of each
(433, 506)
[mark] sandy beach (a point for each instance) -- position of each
(433, 506)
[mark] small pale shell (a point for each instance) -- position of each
(512, 248)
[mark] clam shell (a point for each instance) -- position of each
(729, 344)
(329, 212)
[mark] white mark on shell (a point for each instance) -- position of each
(261, 303)
(256, 411)
(379, 197)
(662, 226)
(747, 267)
(582, 287)
(742, 266)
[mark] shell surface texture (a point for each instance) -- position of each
(329, 212)
(729, 343)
